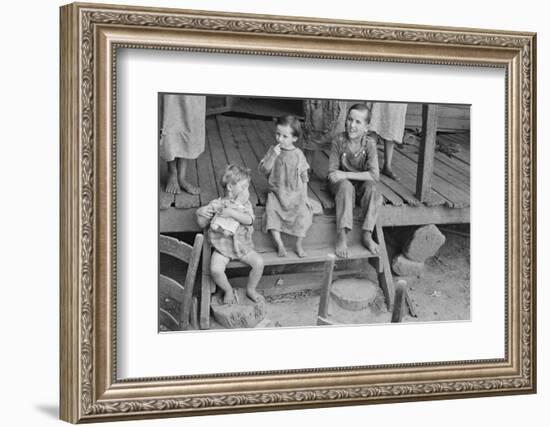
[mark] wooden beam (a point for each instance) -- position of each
(427, 152)
(206, 280)
(385, 279)
(325, 290)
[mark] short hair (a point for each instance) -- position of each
(293, 122)
(233, 174)
(362, 108)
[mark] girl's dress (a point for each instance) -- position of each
(287, 207)
(232, 245)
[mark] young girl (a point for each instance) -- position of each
(286, 168)
(229, 220)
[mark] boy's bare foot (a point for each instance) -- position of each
(229, 297)
(342, 244)
(254, 295)
(369, 243)
(389, 173)
(172, 185)
(189, 188)
(281, 250)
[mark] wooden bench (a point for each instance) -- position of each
(314, 255)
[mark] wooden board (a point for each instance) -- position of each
(326, 199)
(426, 154)
(462, 139)
(314, 255)
(207, 177)
(217, 153)
(389, 195)
(266, 131)
(444, 171)
(232, 152)
(456, 165)
(165, 199)
(398, 188)
(250, 159)
(181, 220)
(185, 200)
(406, 186)
(442, 192)
(257, 143)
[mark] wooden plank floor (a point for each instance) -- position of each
(245, 140)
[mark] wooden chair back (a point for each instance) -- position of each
(182, 293)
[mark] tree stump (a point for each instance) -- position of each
(357, 294)
(243, 314)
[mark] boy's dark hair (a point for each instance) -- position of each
(362, 108)
(293, 122)
(233, 174)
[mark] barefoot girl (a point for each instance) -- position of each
(287, 209)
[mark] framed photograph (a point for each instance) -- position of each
(268, 212)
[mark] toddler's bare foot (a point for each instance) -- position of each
(254, 295)
(172, 185)
(370, 244)
(229, 297)
(342, 245)
(281, 250)
(189, 188)
(300, 251)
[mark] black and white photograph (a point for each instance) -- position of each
(290, 212)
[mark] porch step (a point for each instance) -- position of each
(270, 257)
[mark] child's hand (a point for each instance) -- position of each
(216, 206)
(336, 176)
(277, 149)
(227, 212)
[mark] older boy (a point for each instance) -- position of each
(353, 171)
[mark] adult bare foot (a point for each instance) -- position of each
(369, 243)
(189, 188)
(389, 173)
(172, 185)
(229, 297)
(254, 295)
(342, 244)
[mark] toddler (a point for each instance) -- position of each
(229, 220)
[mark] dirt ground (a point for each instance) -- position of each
(441, 293)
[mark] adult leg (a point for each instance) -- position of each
(344, 197)
(254, 260)
(371, 201)
(388, 157)
(218, 263)
(172, 185)
(183, 182)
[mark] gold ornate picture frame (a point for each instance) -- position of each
(91, 34)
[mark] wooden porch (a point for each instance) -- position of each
(244, 139)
